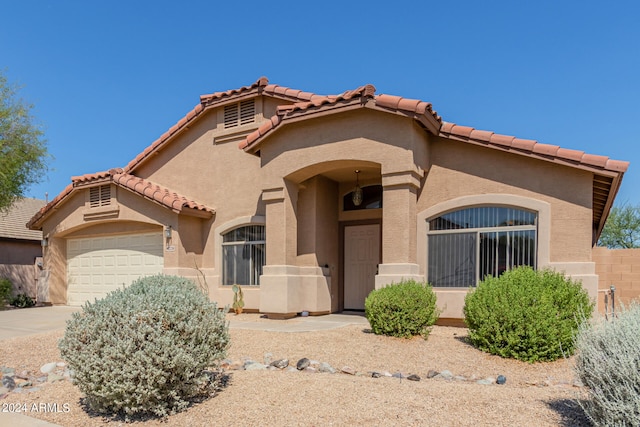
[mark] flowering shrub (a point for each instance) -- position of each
(145, 349)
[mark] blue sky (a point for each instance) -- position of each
(108, 78)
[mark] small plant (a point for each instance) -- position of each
(526, 314)
(22, 301)
(608, 363)
(5, 292)
(238, 299)
(146, 349)
(402, 310)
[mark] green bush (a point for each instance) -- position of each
(22, 301)
(145, 350)
(526, 314)
(402, 310)
(5, 292)
(608, 363)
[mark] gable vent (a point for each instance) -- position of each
(239, 114)
(100, 196)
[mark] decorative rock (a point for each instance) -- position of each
(447, 375)
(303, 363)
(7, 371)
(268, 358)
(280, 363)
(61, 364)
(52, 378)
(23, 375)
(432, 373)
(310, 370)
(484, 382)
(326, 368)
(348, 370)
(413, 377)
(255, 366)
(375, 374)
(45, 369)
(501, 379)
(459, 378)
(398, 375)
(291, 369)
(8, 382)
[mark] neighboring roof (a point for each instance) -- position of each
(13, 221)
(147, 189)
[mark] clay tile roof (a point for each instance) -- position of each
(531, 147)
(314, 103)
(216, 96)
(140, 186)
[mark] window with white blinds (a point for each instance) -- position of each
(239, 114)
(243, 252)
(469, 244)
(100, 196)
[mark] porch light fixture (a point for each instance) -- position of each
(356, 197)
(167, 232)
(44, 242)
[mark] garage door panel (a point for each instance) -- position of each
(100, 265)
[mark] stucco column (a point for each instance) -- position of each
(399, 199)
(285, 288)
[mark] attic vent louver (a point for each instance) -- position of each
(239, 114)
(100, 196)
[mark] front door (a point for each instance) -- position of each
(361, 259)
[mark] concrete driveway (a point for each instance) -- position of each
(35, 320)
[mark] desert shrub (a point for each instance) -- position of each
(5, 292)
(402, 310)
(608, 362)
(526, 314)
(144, 350)
(22, 301)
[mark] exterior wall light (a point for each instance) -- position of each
(44, 242)
(357, 192)
(167, 232)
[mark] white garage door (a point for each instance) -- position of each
(98, 265)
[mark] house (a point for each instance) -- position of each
(20, 250)
(312, 201)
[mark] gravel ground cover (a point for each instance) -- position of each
(540, 394)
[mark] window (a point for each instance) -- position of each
(239, 114)
(243, 255)
(100, 196)
(371, 199)
(469, 244)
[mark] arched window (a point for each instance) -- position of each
(243, 255)
(466, 245)
(371, 199)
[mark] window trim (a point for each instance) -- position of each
(542, 208)
(479, 231)
(219, 242)
(253, 281)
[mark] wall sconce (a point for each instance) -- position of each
(44, 242)
(167, 232)
(356, 198)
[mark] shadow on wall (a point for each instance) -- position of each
(23, 277)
